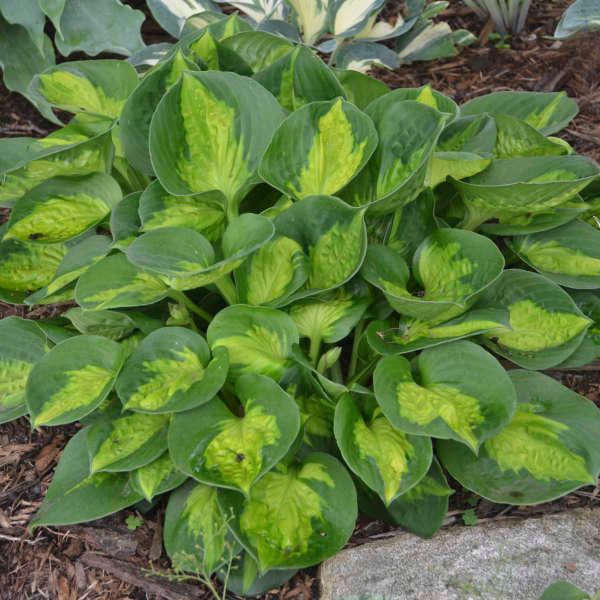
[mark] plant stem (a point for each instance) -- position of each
(355, 344)
(315, 346)
(181, 297)
(365, 371)
(227, 289)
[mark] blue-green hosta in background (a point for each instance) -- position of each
(292, 292)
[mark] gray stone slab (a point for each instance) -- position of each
(504, 559)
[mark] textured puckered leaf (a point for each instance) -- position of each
(195, 531)
(22, 344)
(76, 495)
(218, 448)
(568, 255)
(125, 221)
(114, 282)
(331, 234)
(296, 515)
(157, 477)
(98, 87)
(259, 340)
(395, 174)
(171, 371)
(62, 207)
(209, 133)
(298, 78)
(127, 442)
(446, 401)
(109, 323)
(319, 149)
(389, 461)
(72, 379)
(134, 124)
(360, 89)
(547, 112)
(548, 449)
(545, 325)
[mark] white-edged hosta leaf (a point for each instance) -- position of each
(360, 89)
(72, 379)
(195, 533)
(114, 282)
(377, 30)
(125, 223)
(347, 18)
(427, 41)
(76, 495)
(298, 78)
(171, 371)
(127, 442)
(568, 255)
(62, 207)
(97, 87)
(219, 448)
(150, 56)
(258, 339)
(296, 515)
(545, 325)
(312, 18)
(22, 344)
(209, 133)
(388, 460)
(549, 449)
(157, 477)
(172, 14)
(318, 149)
(220, 26)
(258, 10)
(547, 112)
(446, 401)
(361, 56)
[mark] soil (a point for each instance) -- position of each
(103, 560)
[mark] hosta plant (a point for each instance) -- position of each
(292, 288)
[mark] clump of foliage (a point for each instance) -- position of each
(508, 16)
(291, 286)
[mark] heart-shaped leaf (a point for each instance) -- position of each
(157, 477)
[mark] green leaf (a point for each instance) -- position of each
(128, 442)
(76, 495)
(389, 461)
(22, 344)
(133, 522)
(110, 323)
(318, 149)
(563, 590)
(545, 324)
(27, 14)
(445, 401)
(256, 49)
(568, 255)
(547, 112)
(219, 448)
(517, 138)
(114, 282)
(469, 517)
(360, 89)
(72, 379)
(297, 515)
(218, 25)
(195, 532)
(53, 9)
(125, 221)
(171, 371)
(430, 97)
(395, 174)
(209, 133)
(548, 450)
(62, 207)
(157, 477)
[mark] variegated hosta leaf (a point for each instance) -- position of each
(332, 235)
(421, 510)
(109, 323)
(546, 326)
(204, 49)
(157, 477)
(446, 401)
(125, 223)
(134, 123)
(76, 495)
(127, 442)
(319, 149)
(255, 50)
(412, 334)
(360, 89)
(312, 18)
(218, 25)
(76, 261)
(453, 266)
(428, 41)
(22, 344)
(114, 282)
(389, 461)
(548, 449)
(219, 448)
(62, 207)
(547, 112)
(259, 340)
(171, 371)
(362, 56)
(195, 533)
(298, 78)
(98, 87)
(184, 259)
(209, 133)
(296, 515)
(72, 379)
(172, 14)
(349, 17)
(395, 174)
(568, 255)
(426, 95)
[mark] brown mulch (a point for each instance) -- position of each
(103, 560)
